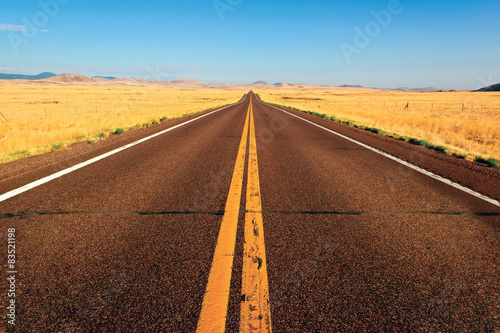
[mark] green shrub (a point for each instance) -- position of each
(458, 155)
(426, 144)
(490, 162)
(56, 146)
(414, 141)
(21, 152)
(494, 163)
(373, 130)
(119, 131)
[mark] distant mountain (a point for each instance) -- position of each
(98, 80)
(350, 86)
(494, 87)
(14, 77)
(185, 83)
(131, 80)
(69, 78)
(284, 85)
(44, 75)
(427, 89)
(104, 77)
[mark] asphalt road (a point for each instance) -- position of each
(354, 241)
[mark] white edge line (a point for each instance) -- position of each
(414, 167)
(61, 173)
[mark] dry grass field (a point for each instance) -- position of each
(37, 118)
(465, 123)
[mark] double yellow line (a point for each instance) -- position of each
(255, 315)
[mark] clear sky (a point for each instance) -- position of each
(407, 43)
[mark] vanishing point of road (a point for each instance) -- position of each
(252, 218)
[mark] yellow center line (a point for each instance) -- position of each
(214, 308)
(255, 313)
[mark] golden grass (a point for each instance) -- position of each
(467, 123)
(42, 118)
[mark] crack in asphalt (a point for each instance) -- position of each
(221, 213)
(383, 213)
(22, 214)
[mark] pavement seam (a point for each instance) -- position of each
(24, 214)
(311, 212)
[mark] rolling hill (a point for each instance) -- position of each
(493, 87)
(67, 78)
(44, 75)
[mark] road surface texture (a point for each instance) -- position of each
(251, 219)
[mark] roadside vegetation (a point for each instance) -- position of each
(463, 124)
(44, 118)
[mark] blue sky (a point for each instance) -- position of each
(445, 44)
